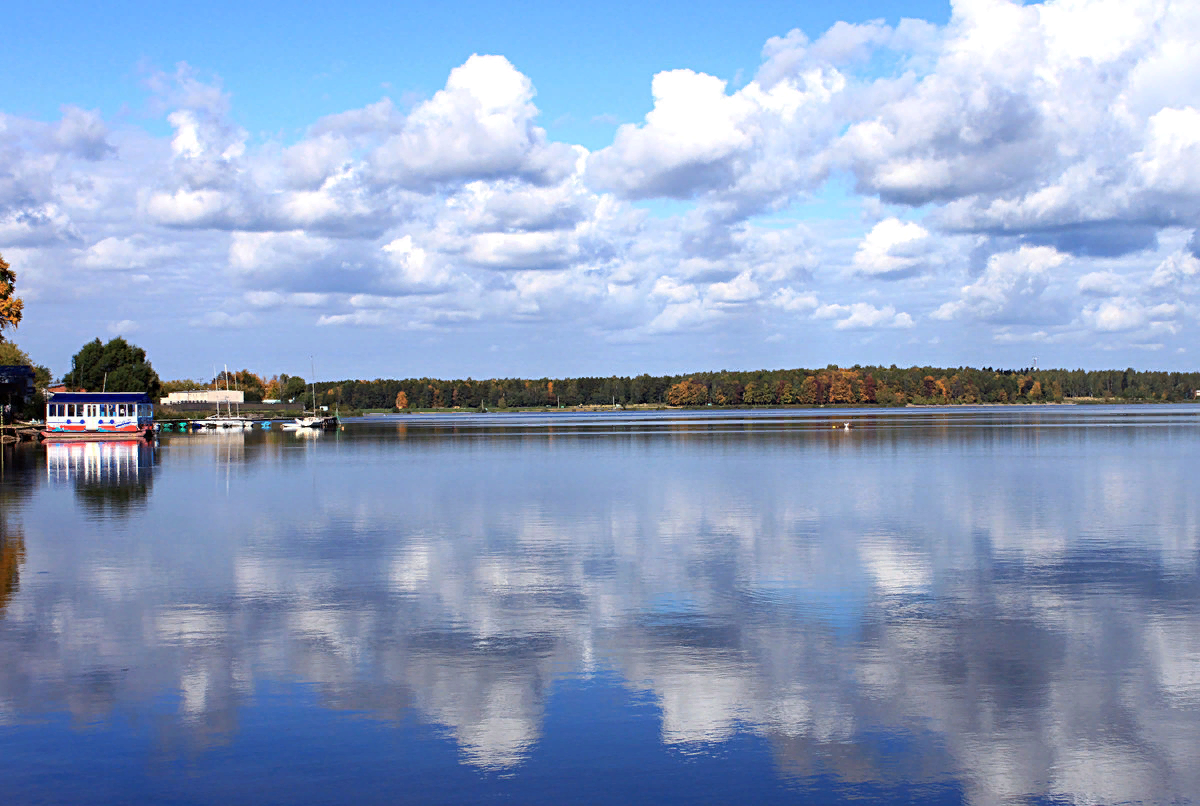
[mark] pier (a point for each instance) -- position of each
(18, 432)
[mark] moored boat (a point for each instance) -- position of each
(314, 423)
(98, 416)
(223, 421)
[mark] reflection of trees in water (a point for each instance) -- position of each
(12, 554)
(100, 498)
(18, 463)
(109, 478)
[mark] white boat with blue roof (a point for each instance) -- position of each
(98, 415)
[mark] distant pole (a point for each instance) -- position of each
(1035, 362)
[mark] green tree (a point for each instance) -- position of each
(117, 366)
(294, 387)
(10, 304)
(181, 385)
(245, 381)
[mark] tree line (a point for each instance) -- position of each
(858, 385)
(120, 366)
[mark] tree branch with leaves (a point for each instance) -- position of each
(10, 304)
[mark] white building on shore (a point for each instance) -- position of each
(204, 396)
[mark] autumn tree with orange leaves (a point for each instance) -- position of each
(10, 304)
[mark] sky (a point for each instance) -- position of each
(546, 189)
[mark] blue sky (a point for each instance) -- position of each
(536, 188)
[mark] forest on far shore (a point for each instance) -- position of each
(857, 385)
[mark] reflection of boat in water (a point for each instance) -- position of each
(107, 476)
(109, 462)
(90, 416)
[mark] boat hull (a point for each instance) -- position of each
(56, 435)
(311, 424)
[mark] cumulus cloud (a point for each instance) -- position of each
(37, 225)
(863, 316)
(1176, 270)
(1046, 121)
(791, 300)
(894, 249)
(83, 133)
(480, 126)
(413, 266)
(1122, 313)
(740, 289)
(748, 149)
(123, 253)
(1010, 289)
(1100, 284)
(1024, 165)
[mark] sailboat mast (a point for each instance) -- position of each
(312, 364)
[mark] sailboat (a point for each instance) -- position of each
(313, 420)
(226, 420)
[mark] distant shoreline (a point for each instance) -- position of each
(747, 407)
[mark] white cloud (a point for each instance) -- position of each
(863, 316)
(1175, 270)
(1009, 288)
(223, 320)
(413, 266)
(679, 316)
(480, 125)
(1122, 314)
(83, 133)
(671, 290)
(520, 250)
(1100, 284)
(1171, 160)
(1028, 135)
(123, 253)
(793, 301)
(738, 290)
(893, 249)
(1025, 124)
(748, 149)
(36, 225)
(364, 318)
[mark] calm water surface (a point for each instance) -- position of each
(939, 606)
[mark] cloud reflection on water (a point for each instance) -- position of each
(1018, 607)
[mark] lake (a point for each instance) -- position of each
(959, 605)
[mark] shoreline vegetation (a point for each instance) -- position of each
(858, 386)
